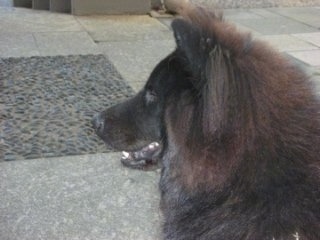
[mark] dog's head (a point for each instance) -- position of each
(187, 91)
(138, 121)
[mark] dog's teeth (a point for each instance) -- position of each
(153, 145)
(125, 155)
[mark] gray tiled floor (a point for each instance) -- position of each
(124, 28)
(81, 197)
(275, 26)
(313, 38)
(136, 59)
(27, 20)
(65, 43)
(241, 14)
(17, 44)
(287, 42)
(306, 15)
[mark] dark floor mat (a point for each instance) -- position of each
(46, 104)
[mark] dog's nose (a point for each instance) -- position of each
(98, 123)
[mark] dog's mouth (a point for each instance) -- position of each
(146, 159)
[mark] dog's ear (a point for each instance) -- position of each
(194, 45)
(211, 70)
(183, 34)
(191, 43)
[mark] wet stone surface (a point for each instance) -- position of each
(47, 104)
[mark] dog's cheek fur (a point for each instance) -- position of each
(196, 165)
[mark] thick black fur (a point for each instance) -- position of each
(240, 129)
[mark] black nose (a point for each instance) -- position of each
(98, 123)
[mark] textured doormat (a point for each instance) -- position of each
(46, 104)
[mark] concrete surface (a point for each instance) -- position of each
(94, 197)
(81, 197)
(141, 57)
(65, 43)
(123, 28)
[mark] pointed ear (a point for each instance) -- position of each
(210, 68)
(191, 43)
(182, 31)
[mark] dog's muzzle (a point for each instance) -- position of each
(146, 158)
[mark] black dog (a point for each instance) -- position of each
(239, 128)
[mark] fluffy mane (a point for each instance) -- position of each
(254, 107)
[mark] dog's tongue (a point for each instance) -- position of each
(146, 158)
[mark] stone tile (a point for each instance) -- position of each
(243, 28)
(136, 60)
(236, 14)
(65, 43)
(79, 197)
(265, 13)
(26, 20)
(307, 15)
(99, 22)
(287, 43)
(124, 28)
(311, 57)
(313, 38)
(18, 45)
(276, 26)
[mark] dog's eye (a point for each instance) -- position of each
(150, 96)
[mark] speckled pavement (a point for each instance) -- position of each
(93, 196)
(84, 197)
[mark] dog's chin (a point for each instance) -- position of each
(145, 158)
